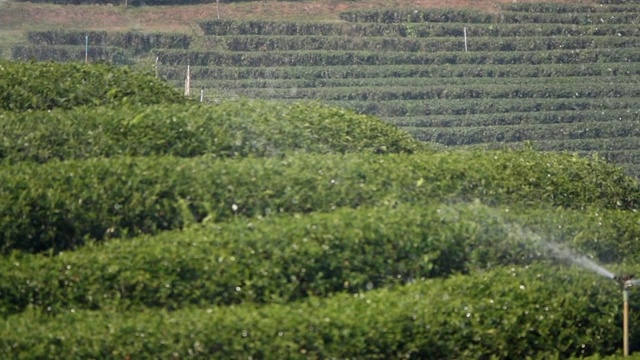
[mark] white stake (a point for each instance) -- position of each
(156, 66)
(201, 95)
(465, 39)
(218, 8)
(187, 82)
(86, 49)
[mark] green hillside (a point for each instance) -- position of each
(540, 73)
(136, 223)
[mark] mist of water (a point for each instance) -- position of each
(563, 253)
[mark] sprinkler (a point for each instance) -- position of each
(626, 282)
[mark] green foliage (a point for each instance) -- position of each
(137, 42)
(59, 205)
(481, 106)
(575, 90)
(343, 58)
(480, 83)
(45, 86)
(474, 16)
(525, 118)
(230, 129)
(223, 27)
(429, 44)
(285, 259)
(567, 8)
(521, 133)
(71, 53)
(515, 312)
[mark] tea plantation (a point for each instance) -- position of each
(137, 223)
(560, 77)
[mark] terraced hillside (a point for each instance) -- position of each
(138, 223)
(563, 76)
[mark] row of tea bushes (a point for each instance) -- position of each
(136, 41)
(223, 27)
(460, 72)
(408, 15)
(284, 259)
(61, 205)
(519, 118)
(346, 58)
(505, 313)
(45, 86)
(229, 129)
(430, 44)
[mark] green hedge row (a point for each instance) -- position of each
(285, 259)
(271, 83)
(515, 312)
(431, 44)
(568, 8)
(61, 205)
(578, 90)
(342, 58)
(619, 2)
(316, 73)
(261, 27)
(601, 144)
(231, 129)
(514, 133)
(516, 118)
(134, 41)
(474, 16)
(480, 106)
(45, 86)
(622, 156)
(67, 53)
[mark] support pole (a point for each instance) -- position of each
(218, 8)
(625, 321)
(156, 66)
(86, 49)
(465, 39)
(187, 82)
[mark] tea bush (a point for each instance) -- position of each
(60, 205)
(45, 86)
(230, 129)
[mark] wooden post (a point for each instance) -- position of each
(625, 322)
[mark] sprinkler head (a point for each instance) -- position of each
(625, 280)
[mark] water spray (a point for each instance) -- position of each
(626, 282)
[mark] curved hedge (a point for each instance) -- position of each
(60, 205)
(506, 313)
(230, 129)
(45, 86)
(284, 259)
